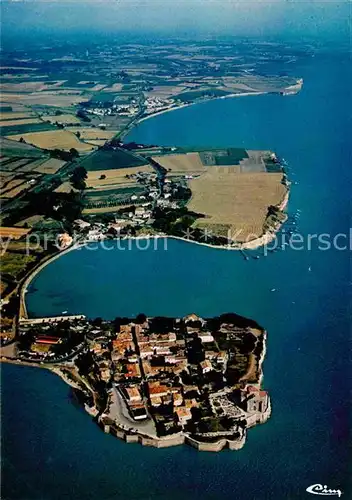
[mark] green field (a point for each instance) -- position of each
(103, 97)
(199, 94)
(111, 197)
(14, 148)
(109, 159)
(15, 264)
(24, 129)
(230, 156)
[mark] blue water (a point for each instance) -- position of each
(51, 448)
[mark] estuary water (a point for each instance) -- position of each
(51, 449)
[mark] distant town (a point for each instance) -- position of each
(157, 381)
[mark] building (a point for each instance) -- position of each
(193, 317)
(81, 224)
(132, 371)
(138, 412)
(177, 399)
(46, 339)
(146, 352)
(222, 357)
(206, 366)
(257, 401)
(156, 390)
(105, 374)
(205, 337)
(132, 394)
(139, 212)
(183, 414)
(65, 241)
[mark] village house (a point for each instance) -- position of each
(205, 337)
(132, 394)
(183, 414)
(206, 366)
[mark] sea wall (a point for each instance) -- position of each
(166, 442)
(217, 445)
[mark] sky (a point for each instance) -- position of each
(212, 17)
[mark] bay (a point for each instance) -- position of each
(53, 450)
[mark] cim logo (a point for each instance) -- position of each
(319, 489)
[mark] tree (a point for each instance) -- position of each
(97, 322)
(141, 318)
(78, 178)
(74, 153)
(10, 309)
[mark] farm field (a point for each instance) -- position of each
(14, 233)
(181, 163)
(112, 198)
(116, 177)
(103, 210)
(55, 99)
(10, 148)
(111, 159)
(29, 86)
(116, 87)
(92, 133)
(235, 201)
(30, 221)
(22, 246)
(21, 121)
(229, 156)
(198, 94)
(98, 143)
(20, 129)
(165, 91)
(15, 115)
(13, 188)
(65, 187)
(50, 166)
(66, 119)
(56, 139)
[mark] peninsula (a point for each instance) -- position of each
(157, 381)
(69, 175)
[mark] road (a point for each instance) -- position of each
(119, 412)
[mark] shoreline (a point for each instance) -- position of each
(263, 240)
(181, 106)
(23, 313)
(251, 245)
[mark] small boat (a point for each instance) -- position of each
(273, 290)
(64, 312)
(309, 269)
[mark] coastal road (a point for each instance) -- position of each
(119, 412)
